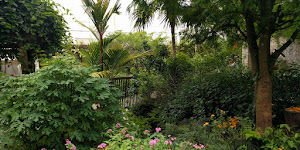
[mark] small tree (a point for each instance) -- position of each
(100, 15)
(33, 27)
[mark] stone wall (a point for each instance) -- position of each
(291, 54)
(11, 67)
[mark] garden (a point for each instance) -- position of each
(134, 91)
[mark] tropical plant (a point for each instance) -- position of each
(100, 14)
(143, 13)
(111, 59)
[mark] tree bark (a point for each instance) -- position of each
(172, 24)
(101, 51)
(264, 81)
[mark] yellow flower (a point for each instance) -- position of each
(222, 112)
(219, 125)
(282, 148)
(205, 124)
(225, 124)
(212, 115)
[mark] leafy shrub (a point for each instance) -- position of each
(272, 138)
(207, 93)
(177, 69)
(286, 91)
(43, 109)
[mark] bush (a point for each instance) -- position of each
(286, 91)
(207, 93)
(177, 69)
(45, 108)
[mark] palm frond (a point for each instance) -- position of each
(102, 74)
(93, 31)
(142, 12)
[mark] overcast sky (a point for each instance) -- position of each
(117, 22)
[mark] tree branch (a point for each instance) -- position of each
(240, 30)
(277, 53)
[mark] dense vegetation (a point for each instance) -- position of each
(33, 29)
(45, 108)
(193, 95)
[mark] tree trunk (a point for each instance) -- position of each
(101, 50)
(172, 24)
(260, 55)
(24, 59)
(264, 81)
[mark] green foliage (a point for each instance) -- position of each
(31, 25)
(205, 94)
(45, 108)
(286, 92)
(143, 42)
(216, 132)
(274, 139)
(178, 68)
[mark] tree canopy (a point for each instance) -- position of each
(31, 26)
(254, 22)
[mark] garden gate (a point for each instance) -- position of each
(129, 98)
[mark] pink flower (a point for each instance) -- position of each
(166, 142)
(124, 131)
(127, 135)
(142, 148)
(73, 148)
(102, 145)
(157, 129)
(152, 143)
(109, 130)
(131, 138)
(170, 142)
(202, 146)
(156, 139)
(118, 125)
(43, 149)
(169, 135)
(68, 142)
(125, 128)
(146, 131)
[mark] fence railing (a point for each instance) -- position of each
(129, 98)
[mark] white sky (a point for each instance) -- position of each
(117, 22)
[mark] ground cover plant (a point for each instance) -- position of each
(61, 101)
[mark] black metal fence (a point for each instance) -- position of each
(130, 96)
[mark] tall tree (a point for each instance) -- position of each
(144, 10)
(254, 22)
(33, 28)
(100, 14)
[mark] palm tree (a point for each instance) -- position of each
(115, 57)
(143, 13)
(100, 15)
